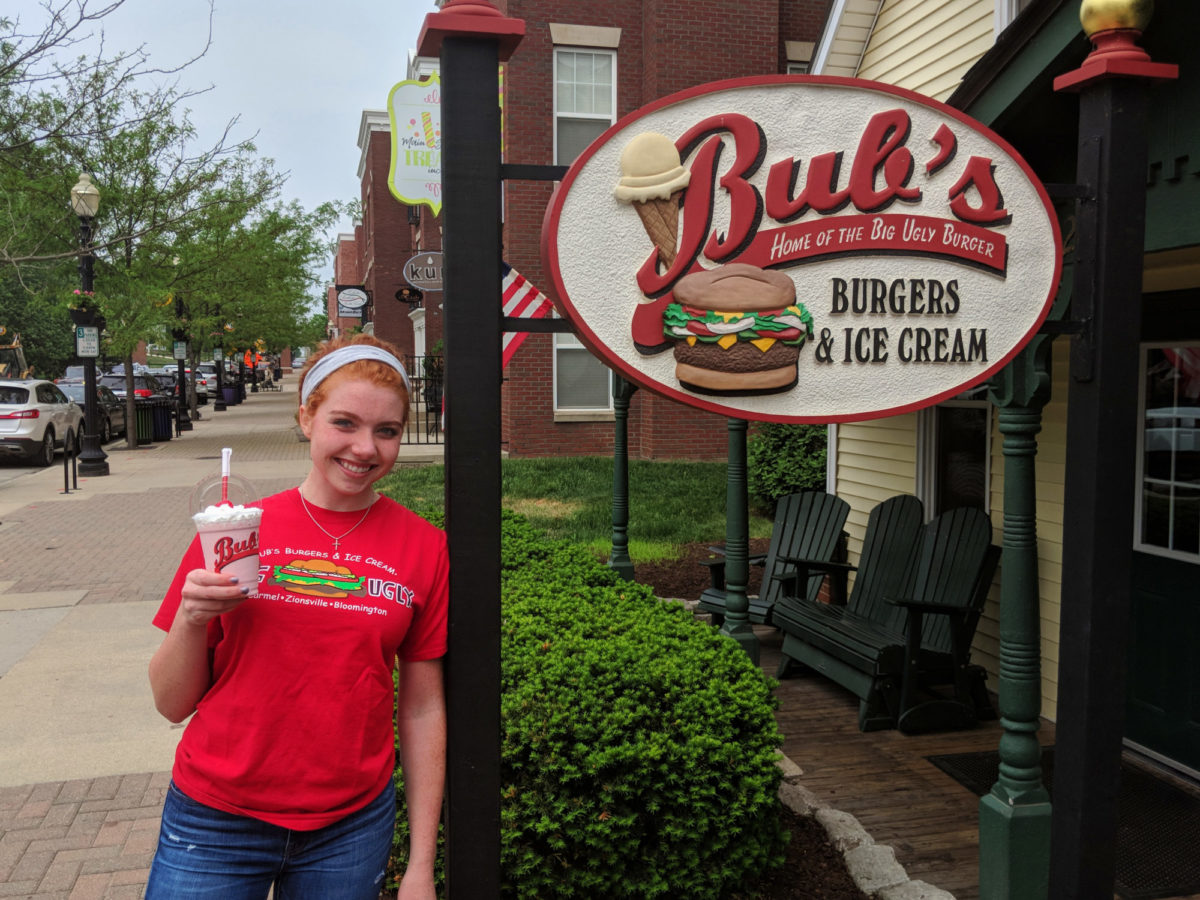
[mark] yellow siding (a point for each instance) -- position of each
(875, 460)
(853, 30)
(927, 45)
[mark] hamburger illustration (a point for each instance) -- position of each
(737, 330)
(317, 578)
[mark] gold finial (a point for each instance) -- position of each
(1108, 15)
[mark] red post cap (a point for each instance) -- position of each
(470, 18)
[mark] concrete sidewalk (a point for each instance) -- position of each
(84, 757)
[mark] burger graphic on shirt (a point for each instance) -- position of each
(317, 578)
(737, 330)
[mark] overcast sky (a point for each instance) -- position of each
(297, 72)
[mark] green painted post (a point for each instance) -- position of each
(1015, 817)
(737, 544)
(619, 560)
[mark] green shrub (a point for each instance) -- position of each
(783, 459)
(638, 746)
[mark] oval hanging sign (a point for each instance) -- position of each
(802, 249)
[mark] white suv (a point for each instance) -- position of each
(35, 419)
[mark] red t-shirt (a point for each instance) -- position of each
(297, 727)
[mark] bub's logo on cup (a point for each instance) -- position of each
(811, 249)
(226, 550)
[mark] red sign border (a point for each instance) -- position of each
(550, 259)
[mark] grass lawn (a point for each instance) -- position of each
(670, 503)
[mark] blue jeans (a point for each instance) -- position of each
(203, 852)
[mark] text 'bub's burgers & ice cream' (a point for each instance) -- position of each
(737, 223)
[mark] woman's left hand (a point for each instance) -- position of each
(417, 884)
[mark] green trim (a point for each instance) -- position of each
(1036, 57)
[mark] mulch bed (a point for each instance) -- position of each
(685, 578)
(814, 869)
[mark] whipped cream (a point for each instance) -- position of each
(228, 515)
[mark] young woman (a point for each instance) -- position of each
(283, 775)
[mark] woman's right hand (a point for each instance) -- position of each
(206, 595)
(180, 671)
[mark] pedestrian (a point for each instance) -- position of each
(283, 775)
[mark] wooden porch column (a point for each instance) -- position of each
(472, 37)
(1014, 818)
(737, 544)
(619, 560)
(1113, 85)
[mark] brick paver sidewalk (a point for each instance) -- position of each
(84, 839)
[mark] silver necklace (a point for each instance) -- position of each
(336, 538)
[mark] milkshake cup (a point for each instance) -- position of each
(229, 539)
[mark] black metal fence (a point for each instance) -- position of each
(425, 413)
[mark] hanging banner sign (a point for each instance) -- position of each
(802, 249)
(415, 112)
(350, 301)
(424, 271)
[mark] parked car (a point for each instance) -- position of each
(36, 418)
(143, 385)
(204, 385)
(109, 408)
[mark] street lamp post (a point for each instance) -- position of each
(219, 363)
(85, 202)
(183, 422)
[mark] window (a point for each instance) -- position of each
(954, 452)
(1006, 11)
(582, 383)
(584, 106)
(1168, 469)
(584, 99)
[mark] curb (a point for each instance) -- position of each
(873, 867)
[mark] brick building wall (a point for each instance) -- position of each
(388, 239)
(665, 46)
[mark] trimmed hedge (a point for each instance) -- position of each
(639, 746)
(783, 459)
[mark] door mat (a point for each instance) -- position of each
(1158, 824)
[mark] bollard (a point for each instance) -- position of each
(70, 467)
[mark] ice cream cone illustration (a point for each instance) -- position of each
(652, 180)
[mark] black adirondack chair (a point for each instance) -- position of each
(907, 629)
(807, 525)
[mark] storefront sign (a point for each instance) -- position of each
(424, 271)
(351, 301)
(415, 112)
(802, 249)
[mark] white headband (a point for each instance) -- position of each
(331, 362)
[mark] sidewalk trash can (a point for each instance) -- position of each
(229, 395)
(163, 417)
(144, 411)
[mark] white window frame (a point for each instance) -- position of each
(594, 51)
(1006, 11)
(1138, 545)
(567, 341)
(927, 449)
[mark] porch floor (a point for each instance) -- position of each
(884, 779)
